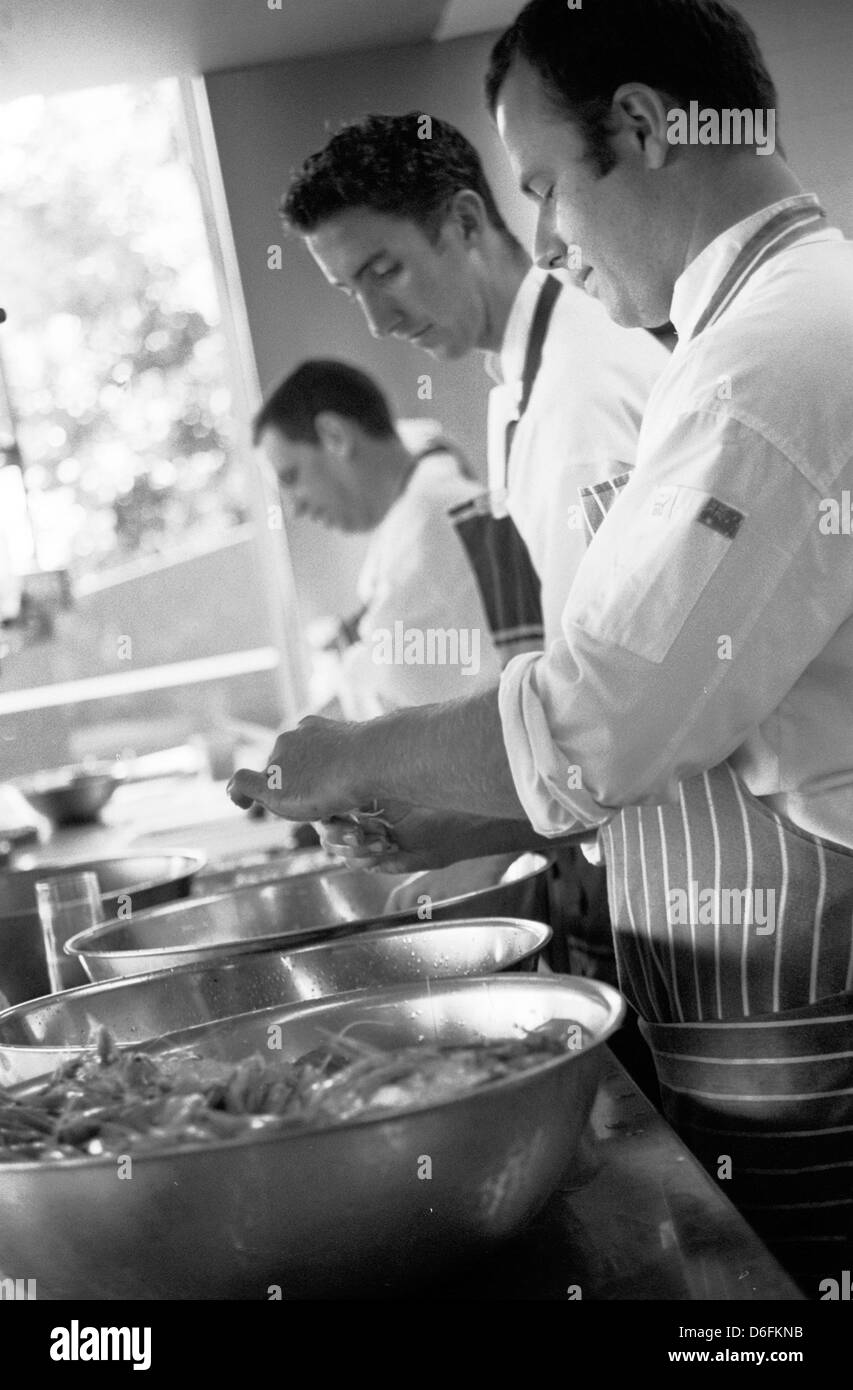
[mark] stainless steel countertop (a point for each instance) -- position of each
(640, 1219)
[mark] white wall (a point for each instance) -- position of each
(809, 50)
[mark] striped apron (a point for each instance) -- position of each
(505, 574)
(733, 930)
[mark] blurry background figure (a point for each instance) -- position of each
(418, 633)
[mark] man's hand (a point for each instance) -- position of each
(423, 839)
(405, 839)
(437, 756)
(310, 774)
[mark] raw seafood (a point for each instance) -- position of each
(112, 1101)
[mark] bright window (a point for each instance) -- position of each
(157, 602)
(113, 357)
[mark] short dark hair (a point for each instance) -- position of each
(405, 166)
(318, 385)
(689, 50)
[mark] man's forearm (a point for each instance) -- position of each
(447, 757)
(491, 836)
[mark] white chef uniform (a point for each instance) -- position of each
(681, 648)
(416, 579)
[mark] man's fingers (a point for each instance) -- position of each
(393, 863)
(246, 786)
(304, 779)
(363, 840)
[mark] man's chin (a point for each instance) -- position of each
(627, 313)
(449, 351)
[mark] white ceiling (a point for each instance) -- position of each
(50, 45)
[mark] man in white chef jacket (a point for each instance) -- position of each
(696, 712)
(421, 633)
(398, 213)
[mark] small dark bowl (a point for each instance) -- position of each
(70, 796)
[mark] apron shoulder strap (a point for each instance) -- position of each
(802, 217)
(548, 296)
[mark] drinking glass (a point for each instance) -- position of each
(67, 904)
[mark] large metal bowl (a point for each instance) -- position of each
(292, 911)
(251, 871)
(36, 1037)
(147, 879)
(362, 1207)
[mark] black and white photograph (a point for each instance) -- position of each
(426, 671)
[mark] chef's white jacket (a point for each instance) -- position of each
(581, 425)
(683, 644)
(416, 581)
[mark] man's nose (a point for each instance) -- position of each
(381, 315)
(549, 248)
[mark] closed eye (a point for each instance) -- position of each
(385, 272)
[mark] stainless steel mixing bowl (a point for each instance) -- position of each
(250, 871)
(289, 912)
(37, 1036)
(340, 1212)
(71, 795)
(148, 879)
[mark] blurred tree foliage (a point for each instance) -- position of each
(114, 359)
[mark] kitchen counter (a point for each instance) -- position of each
(639, 1219)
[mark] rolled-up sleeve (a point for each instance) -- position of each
(704, 596)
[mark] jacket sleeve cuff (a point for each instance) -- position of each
(546, 779)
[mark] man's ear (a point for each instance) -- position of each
(640, 114)
(468, 212)
(336, 434)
